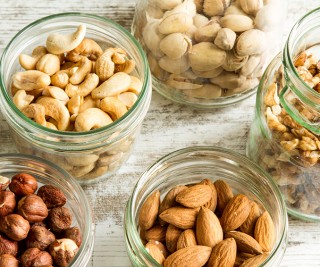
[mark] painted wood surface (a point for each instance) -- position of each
(167, 127)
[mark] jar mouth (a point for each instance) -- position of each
(12, 160)
(221, 153)
(111, 127)
(292, 49)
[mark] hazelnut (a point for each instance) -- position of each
(74, 234)
(7, 260)
(4, 182)
(39, 237)
(23, 184)
(7, 203)
(59, 219)
(15, 227)
(8, 246)
(34, 257)
(32, 208)
(62, 251)
(52, 196)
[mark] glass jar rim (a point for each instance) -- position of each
(213, 149)
(110, 127)
(89, 225)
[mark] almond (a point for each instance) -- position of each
(155, 252)
(241, 258)
(224, 194)
(149, 211)
(223, 254)
(264, 232)
(180, 217)
(187, 239)
(249, 224)
(208, 228)
(195, 196)
(235, 213)
(156, 233)
(255, 261)
(195, 256)
(172, 236)
(245, 243)
(161, 246)
(212, 204)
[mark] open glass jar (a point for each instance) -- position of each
(191, 165)
(208, 53)
(48, 173)
(284, 137)
(91, 155)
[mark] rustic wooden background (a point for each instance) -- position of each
(167, 127)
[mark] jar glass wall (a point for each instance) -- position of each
(208, 54)
(88, 156)
(48, 173)
(191, 165)
(284, 137)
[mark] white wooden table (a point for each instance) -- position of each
(167, 127)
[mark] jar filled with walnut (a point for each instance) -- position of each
(208, 53)
(285, 135)
(75, 89)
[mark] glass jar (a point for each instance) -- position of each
(48, 173)
(191, 165)
(88, 156)
(208, 54)
(284, 137)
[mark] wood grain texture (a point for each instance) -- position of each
(167, 127)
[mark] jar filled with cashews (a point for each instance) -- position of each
(75, 89)
(208, 53)
(285, 135)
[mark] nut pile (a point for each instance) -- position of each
(297, 144)
(209, 48)
(35, 226)
(206, 224)
(73, 85)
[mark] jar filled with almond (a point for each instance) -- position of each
(75, 89)
(205, 206)
(285, 135)
(208, 53)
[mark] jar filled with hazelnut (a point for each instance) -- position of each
(285, 135)
(208, 53)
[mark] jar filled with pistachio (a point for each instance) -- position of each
(285, 136)
(208, 53)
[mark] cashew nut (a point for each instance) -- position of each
(82, 160)
(128, 98)
(84, 67)
(75, 103)
(104, 64)
(56, 110)
(127, 67)
(135, 85)
(48, 64)
(29, 62)
(80, 171)
(118, 58)
(57, 93)
(85, 88)
(36, 112)
(116, 84)
(22, 100)
(60, 79)
(36, 92)
(58, 43)
(207, 91)
(114, 107)
(88, 48)
(91, 118)
(89, 102)
(30, 80)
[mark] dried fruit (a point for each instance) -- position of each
(264, 232)
(180, 217)
(32, 208)
(235, 213)
(149, 211)
(23, 184)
